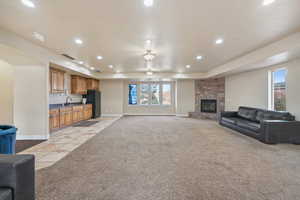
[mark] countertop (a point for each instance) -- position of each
(57, 106)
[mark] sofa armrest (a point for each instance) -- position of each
(228, 114)
(280, 131)
(17, 173)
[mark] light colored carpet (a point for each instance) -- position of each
(171, 158)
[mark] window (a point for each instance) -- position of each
(144, 94)
(155, 100)
(278, 90)
(152, 93)
(132, 97)
(166, 94)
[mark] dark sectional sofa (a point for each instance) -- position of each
(270, 127)
(17, 177)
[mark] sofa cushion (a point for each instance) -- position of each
(259, 115)
(229, 120)
(272, 115)
(247, 113)
(5, 194)
(253, 126)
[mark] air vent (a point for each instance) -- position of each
(67, 56)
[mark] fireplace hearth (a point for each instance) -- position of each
(209, 105)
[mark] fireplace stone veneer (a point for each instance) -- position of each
(209, 89)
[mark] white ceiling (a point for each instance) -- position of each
(180, 30)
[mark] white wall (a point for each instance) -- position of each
(31, 101)
(6, 93)
(112, 94)
(251, 88)
(185, 97)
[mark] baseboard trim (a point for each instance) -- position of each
(33, 137)
(182, 115)
(149, 114)
(111, 115)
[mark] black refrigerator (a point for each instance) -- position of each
(94, 97)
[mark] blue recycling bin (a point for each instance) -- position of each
(8, 139)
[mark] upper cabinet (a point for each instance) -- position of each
(92, 84)
(78, 85)
(57, 81)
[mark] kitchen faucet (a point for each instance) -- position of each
(68, 100)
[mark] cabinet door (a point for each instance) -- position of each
(81, 115)
(83, 86)
(62, 119)
(78, 85)
(75, 116)
(57, 80)
(54, 78)
(90, 113)
(56, 122)
(68, 118)
(53, 119)
(60, 81)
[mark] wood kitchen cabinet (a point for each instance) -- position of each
(65, 118)
(87, 111)
(57, 81)
(92, 84)
(78, 114)
(78, 85)
(54, 119)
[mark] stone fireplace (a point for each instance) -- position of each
(210, 98)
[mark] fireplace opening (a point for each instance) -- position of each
(209, 105)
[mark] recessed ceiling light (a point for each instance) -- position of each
(268, 2)
(80, 62)
(199, 57)
(99, 57)
(188, 66)
(92, 68)
(78, 41)
(111, 66)
(149, 73)
(219, 41)
(28, 3)
(38, 36)
(148, 3)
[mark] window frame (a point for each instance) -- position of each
(149, 83)
(271, 93)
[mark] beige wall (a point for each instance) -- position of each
(147, 110)
(112, 94)
(251, 88)
(115, 99)
(31, 102)
(185, 97)
(6, 93)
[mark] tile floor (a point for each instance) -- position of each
(64, 141)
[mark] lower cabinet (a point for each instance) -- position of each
(54, 119)
(77, 113)
(87, 111)
(66, 116)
